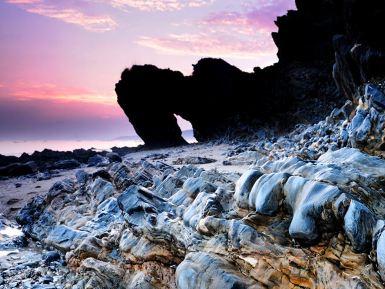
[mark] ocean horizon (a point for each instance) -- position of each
(18, 147)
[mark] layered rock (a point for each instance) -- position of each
(187, 227)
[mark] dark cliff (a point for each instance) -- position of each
(326, 48)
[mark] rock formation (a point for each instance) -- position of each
(309, 40)
(308, 213)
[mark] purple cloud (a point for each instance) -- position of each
(210, 43)
(242, 34)
(158, 5)
(95, 23)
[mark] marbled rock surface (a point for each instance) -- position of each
(287, 222)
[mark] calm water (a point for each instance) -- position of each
(18, 147)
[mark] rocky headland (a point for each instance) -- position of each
(300, 207)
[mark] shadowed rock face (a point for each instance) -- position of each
(220, 100)
(151, 96)
(152, 87)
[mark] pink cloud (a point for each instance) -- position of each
(23, 1)
(208, 44)
(158, 5)
(258, 15)
(95, 23)
(241, 34)
(23, 91)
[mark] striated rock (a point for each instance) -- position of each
(64, 238)
(308, 200)
(359, 223)
(381, 255)
(66, 186)
(124, 237)
(202, 270)
(243, 187)
(267, 193)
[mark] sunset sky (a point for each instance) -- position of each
(60, 59)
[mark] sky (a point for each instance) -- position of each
(60, 59)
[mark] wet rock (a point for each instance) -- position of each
(204, 205)
(196, 185)
(244, 186)
(64, 238)
(50, 257)
(102, 173)
(40, 286)
(101, 190)
(308, 200)
(375, 96)
(267, 193)
(67, 186)
(121, 175)
(193, 161)
(205, 270)
(381, 255)
(359, 223)
(81, 177)
(109, 275)
(137, 203)
(31, 211)
(18, 169)
(114, 157)
(169, 186)
(98, 161)
(65, 165)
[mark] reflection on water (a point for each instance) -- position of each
(18, 147)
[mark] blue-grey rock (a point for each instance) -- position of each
(196, 185)
(169, 186)
(308, 200)
(205, 270)
(121, 176)
(114, 157)
(381, 255)
(267, 193)
(244, 186)
(81, 176)
(64, 238)
(64, 187)
(205, 204)
(101, 190)
(358, 224)
(376, 96)
(137, 203)
(65, 165)
(98, 161)
(51, 256)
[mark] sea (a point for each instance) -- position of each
(16, 148)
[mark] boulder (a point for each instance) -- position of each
(98, 161)
(18, 169)
(359, 223)
(310, 202)
(267, 193)
(243, 187)
(204, 270)
(65, 165)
